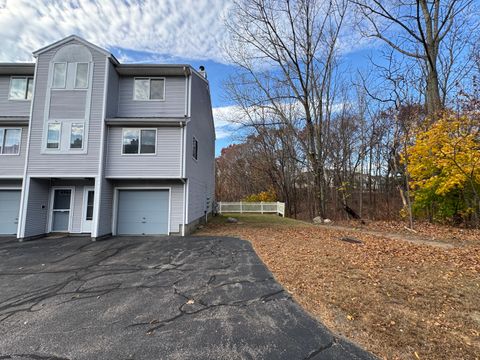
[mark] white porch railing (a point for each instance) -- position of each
(252, 207)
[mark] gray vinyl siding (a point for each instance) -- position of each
(112, 91)
(106, 208)
(200, 172)
(14, 165)
(68, 104)
(172, 106)
(37, 207)
(77, 206)
(176, 211)
(72, 164)
(11, 107)
(166, 163)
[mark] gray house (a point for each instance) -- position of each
(95, 147)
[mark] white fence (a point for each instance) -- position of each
(252, 207)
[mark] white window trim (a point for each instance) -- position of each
(88, 77)
(140, 141)
(193, 157)
(149, 80)
(19, 145)
(65, 78)
(26, 89)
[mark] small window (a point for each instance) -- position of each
(139, 141)
(148, 141)
(59, 75)
(90, 200)
(21, 88)
(10, 141)
(81, 77)
(156, 89)
(76, 136)
(146, 89)
(195, 149)
(53, 136)
(131, 139)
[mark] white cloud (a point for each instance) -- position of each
(225, 119)
(187, 28)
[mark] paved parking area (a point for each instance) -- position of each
(151, 298)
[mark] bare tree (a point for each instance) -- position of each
(287, 53)
(417, 29)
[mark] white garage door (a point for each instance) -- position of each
(142, 212)
(9, 208)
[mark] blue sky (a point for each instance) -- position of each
(149, 31)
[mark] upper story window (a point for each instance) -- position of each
(65, 136)
(195, 149)
(21, 88)
(10, 141)
(70, 75)
(59, 75)
(81, 76)
(71, 67)
(139, 141)
(149, 89)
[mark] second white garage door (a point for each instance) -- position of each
(143, 212)
(9, 207)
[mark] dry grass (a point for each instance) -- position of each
(398, 299)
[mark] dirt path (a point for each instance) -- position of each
(416, 239)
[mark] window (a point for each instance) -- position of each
(81, 76)
(139, 141)
(21, 88)
(195, 149)
(90, 200)
(76, 136)
(65, 136)
(10, 141)
(59, 75)
(53, 136)
(146, 89)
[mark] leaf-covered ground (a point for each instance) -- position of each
(398, 299)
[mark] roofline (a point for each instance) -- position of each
(17, 64)
(77, 38)
(187, 68)
(17, 68)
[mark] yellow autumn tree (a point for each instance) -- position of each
(444, 167)
(265, 196)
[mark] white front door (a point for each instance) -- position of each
(87, 218)
(61, 209)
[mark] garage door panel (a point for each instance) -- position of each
(9, 209)
(142, 212)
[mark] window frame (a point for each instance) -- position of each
(75, 87)
(65, 78)
(4, 131)
(194, 148)
(71, 124)
(149, 87)
(139, 141)
(65, 137)
(60, 133)
(27, 79)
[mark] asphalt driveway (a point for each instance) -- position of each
(151, 298)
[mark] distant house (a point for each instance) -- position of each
(92, 146)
